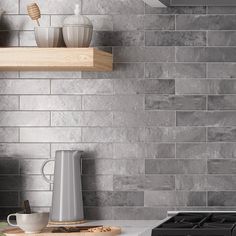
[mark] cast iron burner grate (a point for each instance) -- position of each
(198, 224)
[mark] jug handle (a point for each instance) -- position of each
(42, 171)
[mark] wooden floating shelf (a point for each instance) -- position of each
(54, 59)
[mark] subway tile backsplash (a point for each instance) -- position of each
(158, 133)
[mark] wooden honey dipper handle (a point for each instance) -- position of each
(34, 12)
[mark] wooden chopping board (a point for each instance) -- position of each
(48, 232)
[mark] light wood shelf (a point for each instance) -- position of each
(54, 59)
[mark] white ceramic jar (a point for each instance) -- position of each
(77, 30)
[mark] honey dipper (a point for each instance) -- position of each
(34, 12)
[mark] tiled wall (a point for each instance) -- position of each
(158, 132)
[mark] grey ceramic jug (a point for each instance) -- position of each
(67, 202)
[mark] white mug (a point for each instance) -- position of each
(30, 223)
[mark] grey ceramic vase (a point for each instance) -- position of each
(77, 30)
(67, 203)
(48, 37)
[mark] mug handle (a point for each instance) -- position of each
(42, 171)
(9, 221)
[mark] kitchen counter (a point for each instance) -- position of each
(129, 227)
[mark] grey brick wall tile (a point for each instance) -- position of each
(9, 199)
(25, 150)
(8, 103)
(175, 166)
(50, 134)
(174, 10)
(226, 166)
(10, 6)
(221, 182)
(209, 118)
(28, 167)
(205, 22)
(221, 38)
(153, 86)
(221, 70)
(27, 38)
(175, 134)
(221, 10)
(175, 70)
(191, 182)
(222, 102)
(120, 70)
(9, 38)
(97, 134)
(175, 38)
(97, 182)
(221, 198)
(52, 102)
(128, 22)
(206, 150)
(143, 54)
(50, 74)
(9, 134)
(127, 134)
(9, 74)
(226, 134)
(159, 22)
(9, 167)
(143, 182)
(90, 150)
(24, 118)
(156, 102)
(192, 198)
(140, 213)
(11, 86)
(142, 119)
(159, 198)
(90, 86)
(91, 198)
(117, 38)
(84, 118)
(113, 7)
(98, 213)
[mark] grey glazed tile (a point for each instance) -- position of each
(153, 86)
(117, 38)
(24, 150)
(97, 182)
(97, 167)
(24, 118)
(206, 150)
(143, 54)
(191, 182)
(221, 10)
(128, 134)
(174, 10)
(120, 70)
(9, 6)
(221, 182)
(125, 150)
(98, 213)
(175, 70)
(27, 38)
(48, 7)
(91, 198)
(97, 134)
(222, 102)
(128, 167)
(226, 134)
(143, 182)
(90, 86)
(207, 22)
(128, 22)
(207, 54)
(9, 135)
(157, 102)
(143, 119)
(9, 38)
(159, 198)
(11, 86)
(221, 198)
(221, 38)
(82, 119)
(8, 103)
(52, 102)
(90, 150)
(175, 38)
(9, 167)
(55, 135)
(9, 75)
(221, 70)
(184, 198)
(140, 213)
(113, 7)
(159, 22)
(175, 134)
(173, 166)
(206, 118)
(31, 166)
(9, 199)
(226, 166)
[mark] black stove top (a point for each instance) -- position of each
(198, 224)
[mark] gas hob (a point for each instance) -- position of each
(198, 224)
